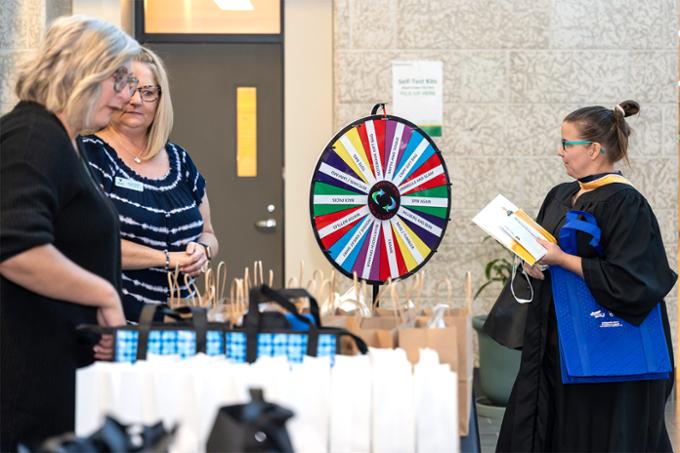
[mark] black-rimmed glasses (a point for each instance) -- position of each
(122, 79)
(149, 93)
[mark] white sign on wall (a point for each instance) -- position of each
(417, 94)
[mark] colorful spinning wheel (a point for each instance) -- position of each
(380, 199)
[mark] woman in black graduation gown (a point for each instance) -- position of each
(59, 243)
(631, 278)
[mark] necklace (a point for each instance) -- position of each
(134, 156)
(114, 138)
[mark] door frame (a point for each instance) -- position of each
(142, 36)
(201, 38)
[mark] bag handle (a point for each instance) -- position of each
(358, 341)
(285, 302)
(586, 225)
(265, 294)
(199, 323)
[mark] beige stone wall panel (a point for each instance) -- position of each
(346, 113)
(474, 129)
(647, 137)
(21, 23)
(534, 129)
(9, 63)
(461, 230)
(512, 71)
(476, 76)
(653, 76)
(667, 219)
(656, 179)
(463, 24)
(373, 24)
(568, 76)
(622, 24)
(341, 24)
(476, 180)
(669, 135)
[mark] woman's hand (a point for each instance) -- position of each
(191, 261)
(104, 349)
(109, 314)
(533, 271)
(555, 255)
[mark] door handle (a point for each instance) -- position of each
(268, 224)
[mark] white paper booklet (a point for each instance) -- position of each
(513, 228)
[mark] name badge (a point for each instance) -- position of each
(129, 184)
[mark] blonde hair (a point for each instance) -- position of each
(76, 55)
(160, 128)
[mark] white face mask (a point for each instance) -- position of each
(515, 264)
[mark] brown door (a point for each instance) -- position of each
(247, 212)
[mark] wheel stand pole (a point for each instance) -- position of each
(376, 290)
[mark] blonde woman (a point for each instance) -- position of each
(158, 191)
(59, 248)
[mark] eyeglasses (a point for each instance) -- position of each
(566, 143)
(149, 93)
(121, 79)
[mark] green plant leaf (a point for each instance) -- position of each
(496, 270)
(489, 267)
(481, 288)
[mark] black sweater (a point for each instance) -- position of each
(46, 197)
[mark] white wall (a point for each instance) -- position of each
(108, 10)
(308, 113)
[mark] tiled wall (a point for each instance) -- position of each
(512, 70)
(22, 23)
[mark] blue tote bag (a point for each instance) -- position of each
(291, 335)
(596, 345)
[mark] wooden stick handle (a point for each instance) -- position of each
(468, 292)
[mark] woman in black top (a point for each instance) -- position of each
(630, 279)
(59, 247)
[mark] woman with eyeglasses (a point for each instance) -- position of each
(629, 276)
(158, 191)
(59, 253)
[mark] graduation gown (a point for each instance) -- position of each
(632, 277)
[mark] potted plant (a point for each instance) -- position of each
(498, 365)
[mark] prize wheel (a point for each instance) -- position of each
(380, 199)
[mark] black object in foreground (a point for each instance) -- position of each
(257, 426)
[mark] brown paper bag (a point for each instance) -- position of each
(453, 343)
(379, 332)
(351, 323)
(443, 340)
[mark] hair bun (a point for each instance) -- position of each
(629, 108)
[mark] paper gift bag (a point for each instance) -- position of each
(392, 418)
(444, 340)
(404, 306)
(379, 332)
(349, 322)
(436, 406)
(309, 397)
(458, 320)
(94, 396)
(351, 388)
(135, 400)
